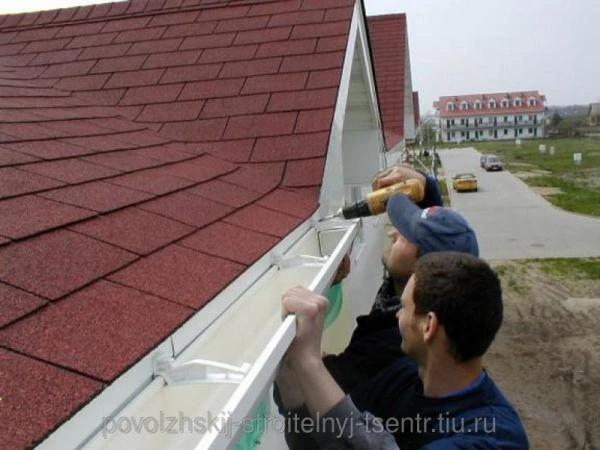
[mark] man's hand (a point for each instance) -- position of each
(318, 388)
(395, 175)
(309, 309)
(343, 270)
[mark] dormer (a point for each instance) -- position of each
(517, 102)
(504, 103)
(477, 104)
(464, 105)
(492, 104)
(450, 106)
(531, 101)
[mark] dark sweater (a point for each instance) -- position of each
(478, 418)
(393, 405)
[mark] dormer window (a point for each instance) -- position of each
(477, 104)
(450, 106)
(531, 101)
(464, 105)
(492, 104)
(517, 102)
(504, 103)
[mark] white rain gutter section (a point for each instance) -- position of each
(249, 332)
(258, 381)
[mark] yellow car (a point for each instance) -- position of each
(464, 182)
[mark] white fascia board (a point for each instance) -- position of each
(332, 194)
(333, 190)
(367, 68)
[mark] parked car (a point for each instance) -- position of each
(482, 160)
(464, 182)
(492, 162)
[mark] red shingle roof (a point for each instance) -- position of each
(150, 151)
(388, 35)
(470, 100)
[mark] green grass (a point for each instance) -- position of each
(572, 198)
(575, 268)
(516, 286)
(581, 194)
(510, 276)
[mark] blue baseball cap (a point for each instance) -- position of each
(433, 229)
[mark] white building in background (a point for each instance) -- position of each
(489, 117)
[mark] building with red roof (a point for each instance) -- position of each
(161, 163)
(496, 116)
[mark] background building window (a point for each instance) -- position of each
(492, 104)
(464, 105)
(505, 132)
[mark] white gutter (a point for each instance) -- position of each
(226, 341)
(260, 377)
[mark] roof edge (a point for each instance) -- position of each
(103, 11)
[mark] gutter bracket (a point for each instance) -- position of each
(334, 223)
(284, 262)
(197, 371)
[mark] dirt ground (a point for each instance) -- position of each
(546, 358)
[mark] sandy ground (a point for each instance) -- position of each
(546, 358)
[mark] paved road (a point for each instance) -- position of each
(513, 222)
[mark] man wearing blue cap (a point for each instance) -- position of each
(376, 341)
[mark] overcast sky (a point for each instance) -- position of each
(472, 46)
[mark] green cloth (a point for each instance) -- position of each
(336, 300)
(254, 429)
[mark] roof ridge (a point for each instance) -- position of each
(108, 11)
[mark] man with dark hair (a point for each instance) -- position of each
(476, 300)
(435, 396)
